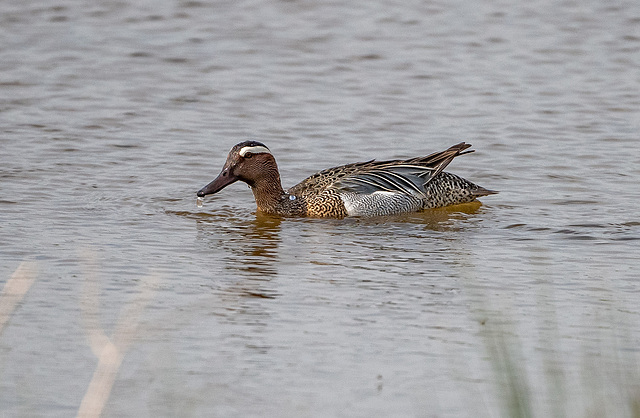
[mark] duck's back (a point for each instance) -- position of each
(375, 188)
(325, 179)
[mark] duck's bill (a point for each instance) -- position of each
(223, 180)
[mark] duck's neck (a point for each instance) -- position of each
(267, 190)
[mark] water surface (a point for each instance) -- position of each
(114, 114)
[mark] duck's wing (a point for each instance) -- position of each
(326, 179)
(408, 177)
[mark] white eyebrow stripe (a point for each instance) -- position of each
(255, 150)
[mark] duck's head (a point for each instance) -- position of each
(248, 161)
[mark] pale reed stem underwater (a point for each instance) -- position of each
(110, 352)
(14, 290)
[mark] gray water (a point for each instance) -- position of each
(113, 114)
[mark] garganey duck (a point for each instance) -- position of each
(371, 188)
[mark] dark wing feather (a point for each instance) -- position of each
(325, 179)
(401, 176)
(386, 180)
(397, 176)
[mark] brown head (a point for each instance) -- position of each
(251, 162)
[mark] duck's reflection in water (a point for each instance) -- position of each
(256, 251)
(244, 248)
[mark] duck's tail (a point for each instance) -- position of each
(481, 191)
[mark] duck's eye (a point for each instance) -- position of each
(248, 154)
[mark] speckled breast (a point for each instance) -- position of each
(326, 204)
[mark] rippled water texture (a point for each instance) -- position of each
(113, 114)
